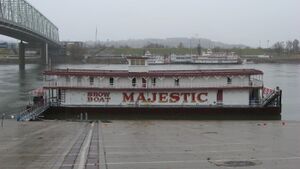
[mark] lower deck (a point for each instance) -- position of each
(168, 113)
(163, 97)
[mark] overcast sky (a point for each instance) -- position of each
(229, 21)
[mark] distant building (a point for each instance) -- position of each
(68, 44)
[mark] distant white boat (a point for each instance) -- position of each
(155, 59)
(209, 57)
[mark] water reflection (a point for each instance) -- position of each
(15, 84)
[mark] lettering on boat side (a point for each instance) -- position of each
(141, 97)
(101, 97)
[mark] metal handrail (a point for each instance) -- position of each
(151, 86)
(32, 113)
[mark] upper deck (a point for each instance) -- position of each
(154, 73)
(154, 79)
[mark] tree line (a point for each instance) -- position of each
(289, 47)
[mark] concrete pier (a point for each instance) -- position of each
(22, 55)
(150, 144)
(44, 54)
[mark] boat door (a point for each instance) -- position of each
(144, 82)
(58, 96)
(220, 97)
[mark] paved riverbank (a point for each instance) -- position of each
(150, 144)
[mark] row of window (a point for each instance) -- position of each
(134, 81)
(91, 80)
(138, 62)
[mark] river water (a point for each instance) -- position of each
(15, 85)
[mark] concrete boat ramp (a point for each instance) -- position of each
(150, 145)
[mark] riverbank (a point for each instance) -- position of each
(121, 60)
(15, 60)
(275, 59)
(150, 144)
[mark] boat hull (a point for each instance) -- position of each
(165, 113)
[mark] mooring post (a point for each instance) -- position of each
(86, 116)
(21, 55)
(81, 116)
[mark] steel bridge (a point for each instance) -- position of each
(20, 20)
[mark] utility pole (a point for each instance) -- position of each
(96, 37)
(259, 43)
(191, 46)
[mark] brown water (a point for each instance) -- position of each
(15, 84)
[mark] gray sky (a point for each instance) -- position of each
(229, 21)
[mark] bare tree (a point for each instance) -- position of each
(296, 45)
(289, 46)
(278, 47)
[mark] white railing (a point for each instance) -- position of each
(253, 83)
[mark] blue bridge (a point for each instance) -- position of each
(20, 20)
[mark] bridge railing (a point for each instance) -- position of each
(23, 14)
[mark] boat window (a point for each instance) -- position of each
(91, 81)
(137, 62)
(111, 81)
(79, 79)
(229, 80)
(134, 82)
(177, 82)
(144, 81)
(68, 79)
(142, 62)
(133, 62)
(153, 81)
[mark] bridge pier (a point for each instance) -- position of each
(44, 54)
(21, 55)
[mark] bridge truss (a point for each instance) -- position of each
(21, 14)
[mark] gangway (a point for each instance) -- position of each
(272, 99)
(32, 113)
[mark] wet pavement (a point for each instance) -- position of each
(150, 145)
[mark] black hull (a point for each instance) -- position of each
(168, 113)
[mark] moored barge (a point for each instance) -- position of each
(143, 91)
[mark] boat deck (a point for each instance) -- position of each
(150, 144)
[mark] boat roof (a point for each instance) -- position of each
(153, 73)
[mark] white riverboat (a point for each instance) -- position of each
(142, 89)
(210, 57)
